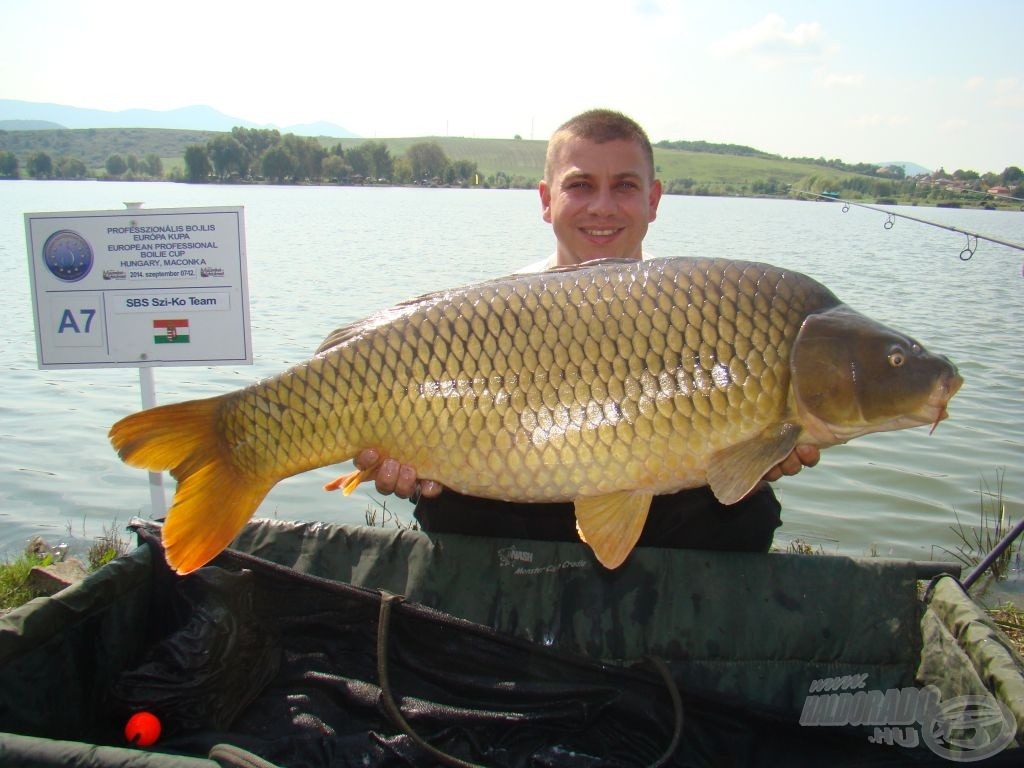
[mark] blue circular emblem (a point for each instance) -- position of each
(67, 255)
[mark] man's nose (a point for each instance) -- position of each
(602, 203)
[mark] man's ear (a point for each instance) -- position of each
(545, 201)
(653, 200)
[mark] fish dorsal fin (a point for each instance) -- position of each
(339, 336)
(608, 261)
(735, 471)
(347, 332)
(611, 524)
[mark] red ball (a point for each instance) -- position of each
(142, 729)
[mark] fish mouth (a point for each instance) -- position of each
(944, 390)
(931, 411)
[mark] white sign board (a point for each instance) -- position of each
(139, 287)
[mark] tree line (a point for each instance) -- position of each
(939, 188)
(254, 155)
(41, 165)
(262, 154)
(257, 154)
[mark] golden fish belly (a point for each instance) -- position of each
(548, 386)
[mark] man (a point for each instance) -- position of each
(599, 194)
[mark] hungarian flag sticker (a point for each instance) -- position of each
(170, 331)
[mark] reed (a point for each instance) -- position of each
(994, 523)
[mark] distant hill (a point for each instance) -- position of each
(320, 129)
(42, 116)
(911, 169)
(28, 125)
(94, 145)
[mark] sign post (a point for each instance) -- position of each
(147, 383)
(140, 288)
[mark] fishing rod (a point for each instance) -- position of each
(972, 237)
(992, 556)
(989, 193)
(999, 195)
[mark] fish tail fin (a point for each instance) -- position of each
(213, 500)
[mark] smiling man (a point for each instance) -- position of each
(599, 193)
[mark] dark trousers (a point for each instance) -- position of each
(690, 519)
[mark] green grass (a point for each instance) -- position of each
(14, 589)
(377, 515)
(107, 547)
(1010, 619)
(993, 525)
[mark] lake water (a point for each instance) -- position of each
(320, 257)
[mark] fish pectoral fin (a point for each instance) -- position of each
(735, 471)
(611, 524)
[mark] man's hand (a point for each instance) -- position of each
(399, 479)
(800, 457)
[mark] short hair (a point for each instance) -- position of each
(599, 126)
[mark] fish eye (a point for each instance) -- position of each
(897, 357)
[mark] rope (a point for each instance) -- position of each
(387, 600)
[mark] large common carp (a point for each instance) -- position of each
(603, 385)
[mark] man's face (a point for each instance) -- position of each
(599, 200)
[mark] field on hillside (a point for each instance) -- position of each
(511, 156)
(525, 158)
(94, 145)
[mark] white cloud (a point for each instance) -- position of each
(771, 41)
(1009, 92)
(876, 120)
(843, 81)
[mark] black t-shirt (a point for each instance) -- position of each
(689, 519)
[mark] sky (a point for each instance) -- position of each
(935, 82)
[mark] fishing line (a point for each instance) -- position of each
(891, 216)
(988, 193)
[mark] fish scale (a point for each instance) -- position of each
(603, 385)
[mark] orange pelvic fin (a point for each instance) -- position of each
(213, 499)
(351, 480)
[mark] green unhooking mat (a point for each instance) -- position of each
(295, 649)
